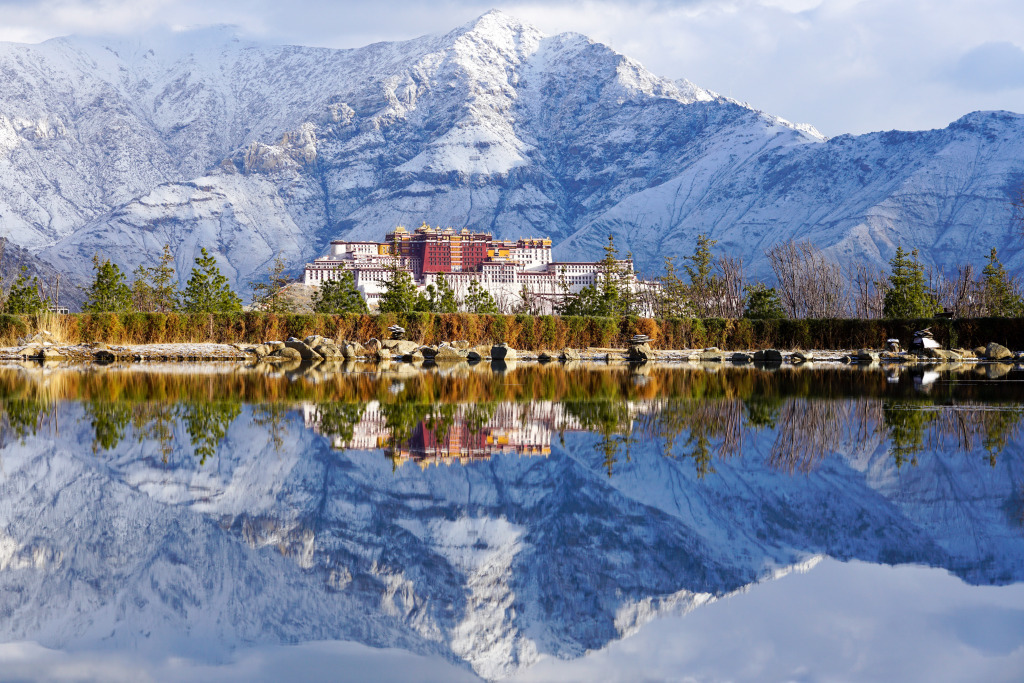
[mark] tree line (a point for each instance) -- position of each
(809, 284)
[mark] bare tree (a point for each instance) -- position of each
(869, 284)
(810, 284)
(729, 285)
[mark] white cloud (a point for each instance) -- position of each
(843, 65)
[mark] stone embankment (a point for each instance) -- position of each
(315, 349)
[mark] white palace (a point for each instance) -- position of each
(504, 268)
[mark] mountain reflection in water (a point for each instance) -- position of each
(187, 513)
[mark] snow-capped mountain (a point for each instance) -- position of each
(200, 139)
(279, 539)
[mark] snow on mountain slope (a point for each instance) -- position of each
(493, 126)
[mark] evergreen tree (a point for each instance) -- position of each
(704, 285)
(673, 292)
(763, 303)
(24, 295)
(156, 288)
(399, 293)
(609, 296)
(207, 290)
(163, 279)
(269, 295)
(339, 296)
(588, 301)
(908, 295)
(479, 300)
(439, 299)
(109, 290)
(999, 291)
(143, 298)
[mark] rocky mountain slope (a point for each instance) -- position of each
(199, 139)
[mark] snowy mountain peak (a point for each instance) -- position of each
(197, 138)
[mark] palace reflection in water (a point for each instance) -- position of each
(591, 500)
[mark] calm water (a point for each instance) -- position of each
(583, 523)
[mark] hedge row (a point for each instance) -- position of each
(519, 331)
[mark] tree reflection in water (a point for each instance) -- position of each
(473, 412)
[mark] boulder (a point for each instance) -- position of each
(866, 356)
(568, 354)
(330, 351)
(262, 350)
(449, 354)
(712, 355)
(302, 347)
(473, 357)
(741, 358)
(545, 357)
(768, 356)
(941, 354)
(996, 351)
(402, 347)
(313, 341)
(461, 345)
(104, 356)
(288, 353)
(429, 351)
(50, 353)
(372, 346)
(414, 356)
(979, 351)
(639, 352)
(274, 345)
(801, 356)
(503, 352)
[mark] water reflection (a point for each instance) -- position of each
(190, 513)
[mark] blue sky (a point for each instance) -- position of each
(843, 65)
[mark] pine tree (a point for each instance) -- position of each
(704, 285)
(1000, 292)
(269, 295)
(437, 299)
(399, 293)
(673, 292)
(479, 300)
(143, 298)
(609, 297)
(24, 295)
(207, 290)
(908, 295)
(156, 288)
(163, 279)
(109, 290)
(763, 303)
(339, 296)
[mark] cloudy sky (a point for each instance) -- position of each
(846, 66)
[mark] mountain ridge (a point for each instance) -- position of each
(257, 151)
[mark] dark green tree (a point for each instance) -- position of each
(763, 303)
(207, 290)
(908, 295)
(269, 295)
(438, 299)
(479, 300)
(156, 288)
(339, 296)
(23, 296)
(109, 290)
(674, 297)
(399, 292)
(704, 286)
(610, 283)
(1000, 292)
